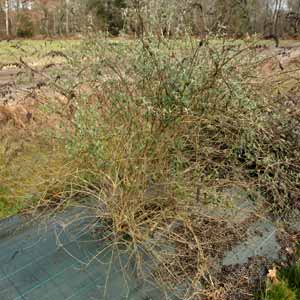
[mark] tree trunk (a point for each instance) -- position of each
(67, 18)
(276, 17)
(7, 17)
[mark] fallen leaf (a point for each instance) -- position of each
(272, 275)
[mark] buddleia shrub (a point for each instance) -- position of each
(160, 125)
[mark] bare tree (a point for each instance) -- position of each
(7, 9)
(67, 18)
(277, 9)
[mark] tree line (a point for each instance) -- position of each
(26, 18)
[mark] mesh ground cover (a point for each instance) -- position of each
(59, 259)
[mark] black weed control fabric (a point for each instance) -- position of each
(59, 259)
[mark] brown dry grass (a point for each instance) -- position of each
(34, 166)
(18, 114)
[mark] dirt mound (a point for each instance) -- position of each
(290, 58)
(280, 60)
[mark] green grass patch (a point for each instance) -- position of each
(286, 286)
(29, 174)
(280, 291)
(11, 51)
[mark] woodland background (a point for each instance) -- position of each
(237, 18)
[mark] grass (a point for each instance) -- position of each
(280, 291)
(11, 51)
(31, 172)
(30, 162)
